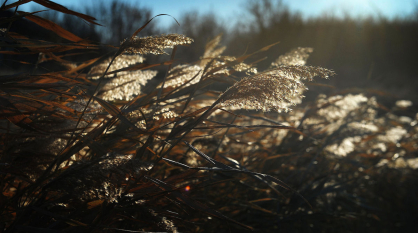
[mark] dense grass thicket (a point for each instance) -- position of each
(92, 141)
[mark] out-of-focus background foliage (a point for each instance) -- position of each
(375, 50)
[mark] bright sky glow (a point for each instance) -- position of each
(231, 10)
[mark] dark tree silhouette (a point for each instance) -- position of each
(120, 20)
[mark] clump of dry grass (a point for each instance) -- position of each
(121, 159)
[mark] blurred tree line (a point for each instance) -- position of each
(368, 53)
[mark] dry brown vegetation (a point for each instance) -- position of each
(97, 147)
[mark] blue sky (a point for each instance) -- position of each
(230, 10)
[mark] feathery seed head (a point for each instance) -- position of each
(262, 92)
(127, 85)
(296, 57)
(183, 73)
(121, 61)
(212, 50)
(273, 90)
(153, 44)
